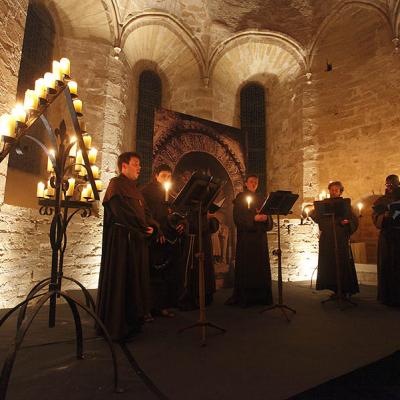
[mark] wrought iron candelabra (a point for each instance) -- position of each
(72, 188)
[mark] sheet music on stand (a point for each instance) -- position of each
(339, 207)
(279, 202)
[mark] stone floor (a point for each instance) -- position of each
(260, 357)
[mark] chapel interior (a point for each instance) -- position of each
(299, 92)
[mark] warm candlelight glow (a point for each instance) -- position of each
(65, 66)
(57, 71)
(40, 190)
(41, 88)
(83, 170)
(99, 185)
(49, 80)
(71, 187)
(167, 186)
(307, 211)
(73, 87)
(87, 139)
(249, 200)
(50, 167)
(84, 194)
(7, 125)
(92, 155)
(78, 106)
(360, 207)
(95, 171)
(19, 113)
(79, 160)
(73, 150)
(31, 101)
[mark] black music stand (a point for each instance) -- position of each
(196, 197)
(335, 208)
(279, 203)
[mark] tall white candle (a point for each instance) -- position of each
(78, 160)
(71, 187)
(31, 101)
(167, 186)
(57, 71)
(92, 155)
(249, 200)
(95, 171)
(41, 88)
(78, 106)
(40, 190)
(50, 167)
(7, 125)
(19, 113)
(87, 139)
(65, 66)
(49, 80)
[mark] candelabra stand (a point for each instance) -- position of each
(62, 208)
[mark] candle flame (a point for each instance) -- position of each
(167, 185)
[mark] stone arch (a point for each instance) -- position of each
(277, 40)
(173, 147)
(173, 25)
(337, 13)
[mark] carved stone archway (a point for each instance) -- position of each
(175, 146)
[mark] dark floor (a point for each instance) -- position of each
(260, 357)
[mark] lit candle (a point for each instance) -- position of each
(73, 150)
(73, 88)
(167, 186)
(31, 101)
(78, 160)
(41, 88)
(45, 195)
(50, 189)
(99, 185)
(19, 113)
(50, 167)
(57, 71)
(65, 66)
(71, 187)
(323, 194)
(92, 155)
(320, 197)
(7, 125)
(248, 199)
(40, 190)
(84, 194)
(87, 139)
(95, 171)
(83, 170)
(89, 190)
(78, 106)
(49, 80)
(360, 206)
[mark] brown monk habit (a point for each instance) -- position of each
(252, 268)
(165, 259)
(123, 294)
(388, 250)
(326, 278)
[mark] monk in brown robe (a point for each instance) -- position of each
(386, 220)
(252, 283)
(344, 227)
(123, 294)
(165, 248)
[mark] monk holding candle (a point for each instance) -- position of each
(252, 269)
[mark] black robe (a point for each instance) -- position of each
(326, 278)
(190, 266)
(252, 283)
(123, 293)
(388, 250)
(165, 258)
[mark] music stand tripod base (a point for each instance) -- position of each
(341, 301)
(282, 307)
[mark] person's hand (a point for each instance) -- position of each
(161, 239)
(180, 228)
(149, 230)
(260, 217)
